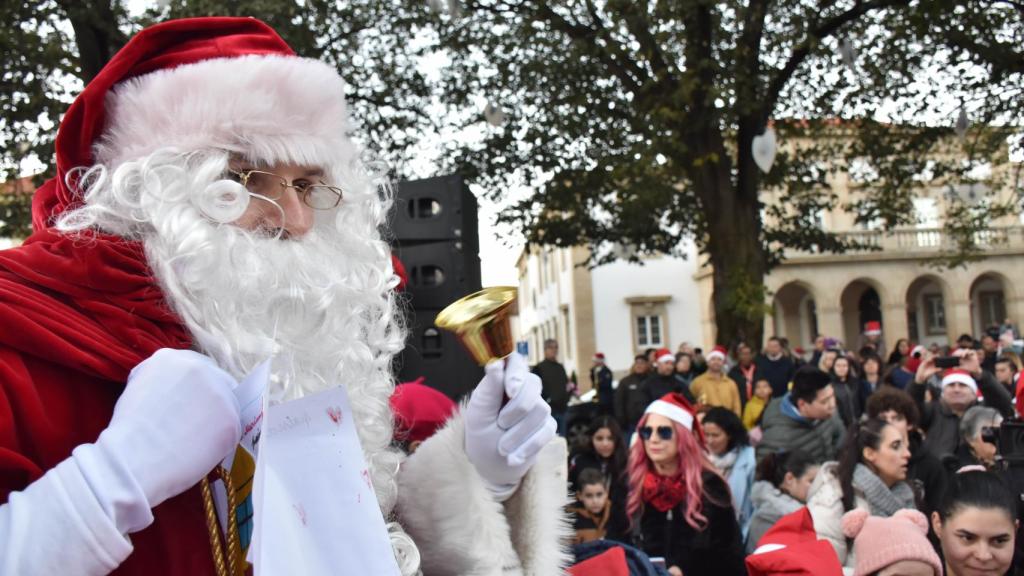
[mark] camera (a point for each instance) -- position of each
(947, 362)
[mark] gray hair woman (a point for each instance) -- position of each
(978, 428)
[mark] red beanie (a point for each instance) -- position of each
(419, 411)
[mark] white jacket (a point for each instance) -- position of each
(825, 502)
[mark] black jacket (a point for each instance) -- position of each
(927, 473)
(741, 382)
(717, 550)
(941, 425)
(601, 380)
(778, 372)
(618, 523)
(554, 384)
(657, 386)
(630, 401)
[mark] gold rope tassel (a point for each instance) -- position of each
(213, 528)
(234, 564)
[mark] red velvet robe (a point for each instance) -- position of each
(75, 317)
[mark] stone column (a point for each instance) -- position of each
(830, 320)
(894, 323)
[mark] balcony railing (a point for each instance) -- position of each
(926, 240)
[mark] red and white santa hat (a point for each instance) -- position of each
(201, 84)
(717, 352)
(873, 328)
(919, 349)
(599, 356)
(665, 355)
(959, 375)
(674, 407)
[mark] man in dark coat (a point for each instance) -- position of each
(744, 373)
(940, 417)
(554, 383)
(601, 379)
(663, 380)
(630, 398)
(775, 367)
(804, 419)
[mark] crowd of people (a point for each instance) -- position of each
(698, 459)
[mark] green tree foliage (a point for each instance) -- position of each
(632, 121)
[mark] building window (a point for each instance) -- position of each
(934, 314)
(991, 308)
(648, 331)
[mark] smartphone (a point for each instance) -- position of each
(659, 562)
(947, 362)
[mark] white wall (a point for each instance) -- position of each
(614, 283)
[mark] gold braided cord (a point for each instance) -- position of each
(213, 528)
(235, 560)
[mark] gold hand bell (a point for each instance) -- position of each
(482, 322)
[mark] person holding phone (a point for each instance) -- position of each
(957, 391)
(680, 507)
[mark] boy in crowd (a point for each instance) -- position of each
(593, 506)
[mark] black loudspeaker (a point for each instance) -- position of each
(437, 356)
(435, 209)
(434, 225)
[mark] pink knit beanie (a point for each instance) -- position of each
(881, 542)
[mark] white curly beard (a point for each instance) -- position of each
(322, 306)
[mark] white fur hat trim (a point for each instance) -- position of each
(672, 412)
(264, 108)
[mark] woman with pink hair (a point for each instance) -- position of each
(680, 508)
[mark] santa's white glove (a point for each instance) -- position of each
(176, 420)
(503, 442)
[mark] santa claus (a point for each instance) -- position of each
(209, 212)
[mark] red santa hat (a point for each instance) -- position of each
(918, 349)
(674, 407)
(791, 546)
(599, 356)
(419, 410)
(717, 352)
(665, 355)
(873, 328)
(959, 375)
(200, 83)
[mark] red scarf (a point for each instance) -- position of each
(663, 492)
(76, 317)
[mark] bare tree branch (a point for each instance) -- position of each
(824, 30)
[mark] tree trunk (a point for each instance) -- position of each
(732, 213)
(96, 34)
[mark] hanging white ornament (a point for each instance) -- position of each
(763, 148)
(436, 6)
(624, 250)
(962, 123)
(494, 115)
(849, 54)
(454, 8)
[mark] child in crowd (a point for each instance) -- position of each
(593, 506)
(755, 406)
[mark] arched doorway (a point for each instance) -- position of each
(795, 314)
(926, 311)
(988, 302)
(860, 304)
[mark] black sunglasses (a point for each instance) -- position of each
(664, 432)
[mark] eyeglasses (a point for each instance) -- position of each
(664, 432)
(318, 196)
